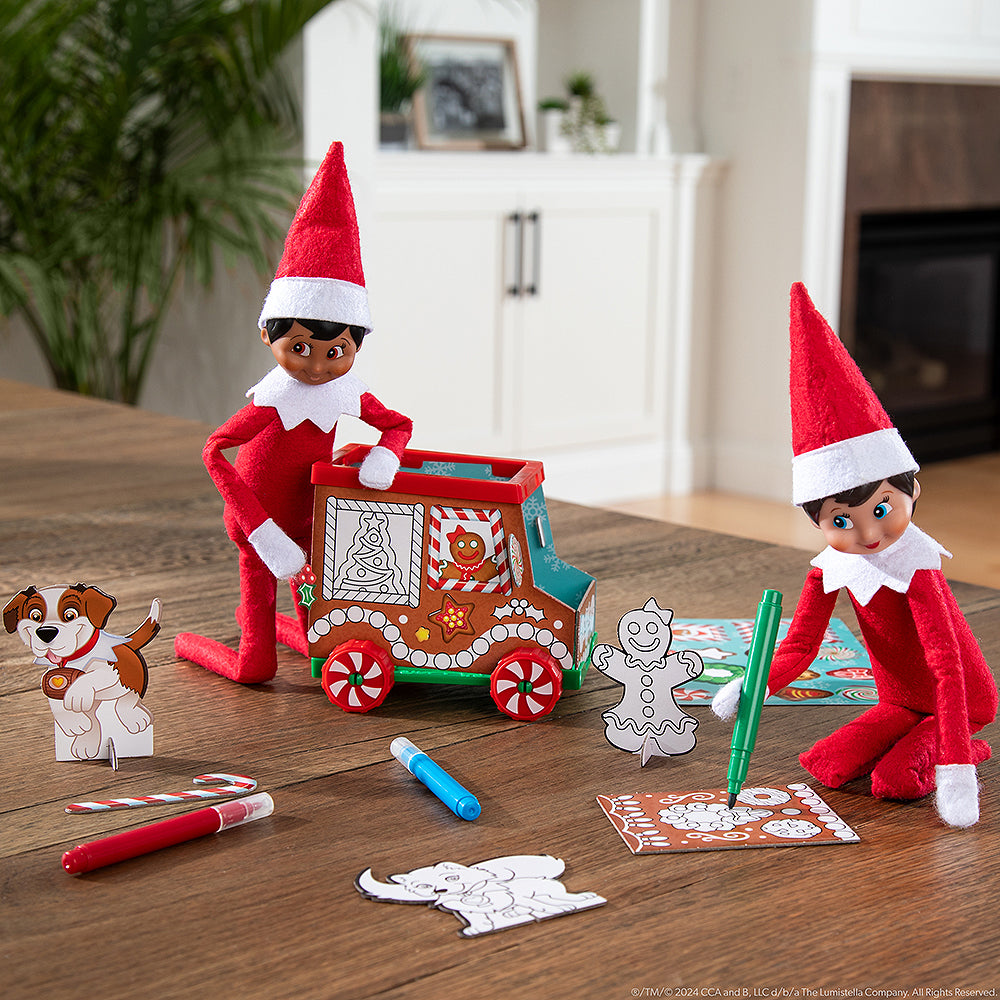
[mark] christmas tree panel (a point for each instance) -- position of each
(373, 551)
(840, 675)
(779, 816)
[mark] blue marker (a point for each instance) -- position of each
(458, 799)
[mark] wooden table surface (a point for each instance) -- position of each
(118, 498)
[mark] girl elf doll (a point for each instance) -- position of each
(854, 476)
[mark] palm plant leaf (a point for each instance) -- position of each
(138, 140)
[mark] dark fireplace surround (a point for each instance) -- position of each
(926, 326)
(920, 305)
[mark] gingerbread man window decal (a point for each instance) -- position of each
(466, 551)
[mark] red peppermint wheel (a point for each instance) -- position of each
(357, 675)
(526, 684)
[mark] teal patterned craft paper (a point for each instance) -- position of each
(840, 675)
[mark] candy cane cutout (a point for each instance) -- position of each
(236, 784)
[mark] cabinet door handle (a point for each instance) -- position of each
(535, 288)
(516, 289)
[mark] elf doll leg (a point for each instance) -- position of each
(257, 660)
(290, 632)
(854, 749)
(907, 770)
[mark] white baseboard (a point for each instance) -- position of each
(605, 474)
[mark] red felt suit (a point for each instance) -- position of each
(314, 319)
(271, 479)
(935, 688)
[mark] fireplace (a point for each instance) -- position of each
(925, 330)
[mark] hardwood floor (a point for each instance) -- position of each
(958, 506)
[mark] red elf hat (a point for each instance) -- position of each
(841, 435)
(320, 274)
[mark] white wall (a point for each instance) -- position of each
(579, 36)
(210, 351)
(773, 101)
(207, 356)
(754, 91)
(20, 358)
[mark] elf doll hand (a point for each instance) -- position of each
(379, 468)
(277, 551)
(727, 699)
(957, 797)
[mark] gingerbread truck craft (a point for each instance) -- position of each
(449, 576)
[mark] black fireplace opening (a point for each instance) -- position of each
(926, 326)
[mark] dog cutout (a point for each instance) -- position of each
(95, 680)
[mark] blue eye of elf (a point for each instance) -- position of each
(843, 522)
(882, 510)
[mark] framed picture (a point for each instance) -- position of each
(471, 98)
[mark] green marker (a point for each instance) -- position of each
(765, 632)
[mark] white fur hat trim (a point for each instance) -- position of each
(331, 299)
(834, 468)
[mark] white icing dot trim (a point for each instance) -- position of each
(479, 646)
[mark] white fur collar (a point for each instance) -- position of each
(893, 568)
(295, 401)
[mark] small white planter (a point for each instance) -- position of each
(553, 140)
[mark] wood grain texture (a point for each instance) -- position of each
(118, 498)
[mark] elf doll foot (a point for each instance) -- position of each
(830, 768)
(907, 770)
(220, 659)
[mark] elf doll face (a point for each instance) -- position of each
(310, 360)
(870, 527)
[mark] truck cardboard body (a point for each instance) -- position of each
(450, 576)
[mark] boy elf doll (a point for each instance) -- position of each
(314, 319)
(854, 476)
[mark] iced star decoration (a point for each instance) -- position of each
(453, 618)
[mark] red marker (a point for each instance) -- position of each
(146, 839)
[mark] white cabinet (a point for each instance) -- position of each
(433, 263)
(600, 372)
(527, 305)
(588, 349)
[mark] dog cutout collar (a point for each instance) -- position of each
(61, 661)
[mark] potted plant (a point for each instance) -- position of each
(400, 77)
(586, 123)
(140, 142)
(552, 111)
